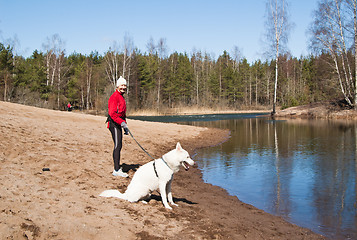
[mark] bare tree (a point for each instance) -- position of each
(197, 62)
(15, 45)
(128, 51)
(118, 61)
(352, 5)
(112, 64)
(54, 48)
(60, 59)
(277, 27)
(151, 46)
(334, 31)
(162, 51)
(89, 71)
(237, 57)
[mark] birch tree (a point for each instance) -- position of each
(60, 60)
(237, 57)
(117, 61)
(54, 48)
(277, 27)
(162, 51)
(151, 46)
(334, 31)
(112, 64)
(352, 5)
(55, 52)
(127, 55)
(89, 74)
(197, 62)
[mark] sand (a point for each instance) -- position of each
(63, 203)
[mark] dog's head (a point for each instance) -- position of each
(184, 158)
(177, 157)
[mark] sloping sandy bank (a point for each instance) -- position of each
(63, 203)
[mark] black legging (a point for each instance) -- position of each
(117, 139)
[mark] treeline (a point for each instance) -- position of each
(157, 82)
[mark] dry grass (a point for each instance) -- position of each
(194, 111)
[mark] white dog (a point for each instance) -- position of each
(157, 174)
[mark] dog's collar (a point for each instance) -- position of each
(162, 158)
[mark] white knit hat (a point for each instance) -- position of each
(121, 81)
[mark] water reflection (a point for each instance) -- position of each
(302, 170)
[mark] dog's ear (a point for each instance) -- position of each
(178, 146)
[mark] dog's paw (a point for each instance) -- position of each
(174, 204)
(168, 207)
(143, 201)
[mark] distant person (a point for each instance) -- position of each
(116, 121)
(69, 107)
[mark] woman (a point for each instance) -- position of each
(117, 121)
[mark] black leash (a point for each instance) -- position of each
(149, 154)
(140, 145)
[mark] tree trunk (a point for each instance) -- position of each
(89, 80)
(276, 78)
(54, 71)
(256, 90)
(250, 90)
(48, 64)
(5, 87)
(158, 94)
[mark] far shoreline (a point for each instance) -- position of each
(193, 111)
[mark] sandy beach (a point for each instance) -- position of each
(64, 202)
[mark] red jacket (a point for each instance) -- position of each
(117, 107)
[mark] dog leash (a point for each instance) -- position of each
(140, 145)
(162, 158)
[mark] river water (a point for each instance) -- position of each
(301, 170)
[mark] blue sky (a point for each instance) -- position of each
(205, 25)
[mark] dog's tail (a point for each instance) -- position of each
(113, 193)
